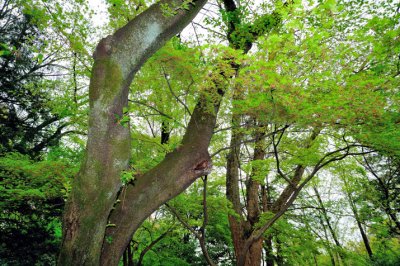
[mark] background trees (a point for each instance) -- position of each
(35, 165)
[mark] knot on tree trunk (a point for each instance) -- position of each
(203, 168)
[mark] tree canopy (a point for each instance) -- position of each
(217, 133)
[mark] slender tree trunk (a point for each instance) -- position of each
(387, 196)
(253, 202)
(360, 227)
(130, 254)
(325, 216)
(232, 188)
(116, 59)
(315, 260)
(125, 258)
(328, 243)
(165, 132)
(269, 254)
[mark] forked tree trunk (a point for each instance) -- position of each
(240, 228)
(175, 173)
(278, 208)
(116, 60)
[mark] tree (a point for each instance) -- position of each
(308, 85)
(32, 200)
(280, 72)
(96, 187)
(385, 173)
(34, 172)
(27, 124)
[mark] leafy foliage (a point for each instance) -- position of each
(318, 79)
(32, 198)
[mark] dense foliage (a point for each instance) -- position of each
(35, 167)
(306, 155)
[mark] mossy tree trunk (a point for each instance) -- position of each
(116, 60)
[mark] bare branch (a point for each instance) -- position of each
(172, 92)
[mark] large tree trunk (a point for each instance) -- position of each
(175, 173)
(117, 58)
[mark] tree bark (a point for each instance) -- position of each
(253, 202)
(387, 197)
(232, 189)
(241, 228)
(174, 174)
(116, 60)
(279, 207)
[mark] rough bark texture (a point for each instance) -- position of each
(240, 227)
(232, 189)
(253, 202)
(175, 173)
(117, 58)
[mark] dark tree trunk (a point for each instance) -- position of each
(130, 254)
(360, 226)
(125, 258)
(279, 257)
(269, 254)
(164, 132)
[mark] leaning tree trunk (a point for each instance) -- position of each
(116, 60)
(359, 224)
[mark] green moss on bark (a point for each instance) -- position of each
(113, 81)
(106, 81)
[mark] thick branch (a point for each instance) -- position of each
(175, 173)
